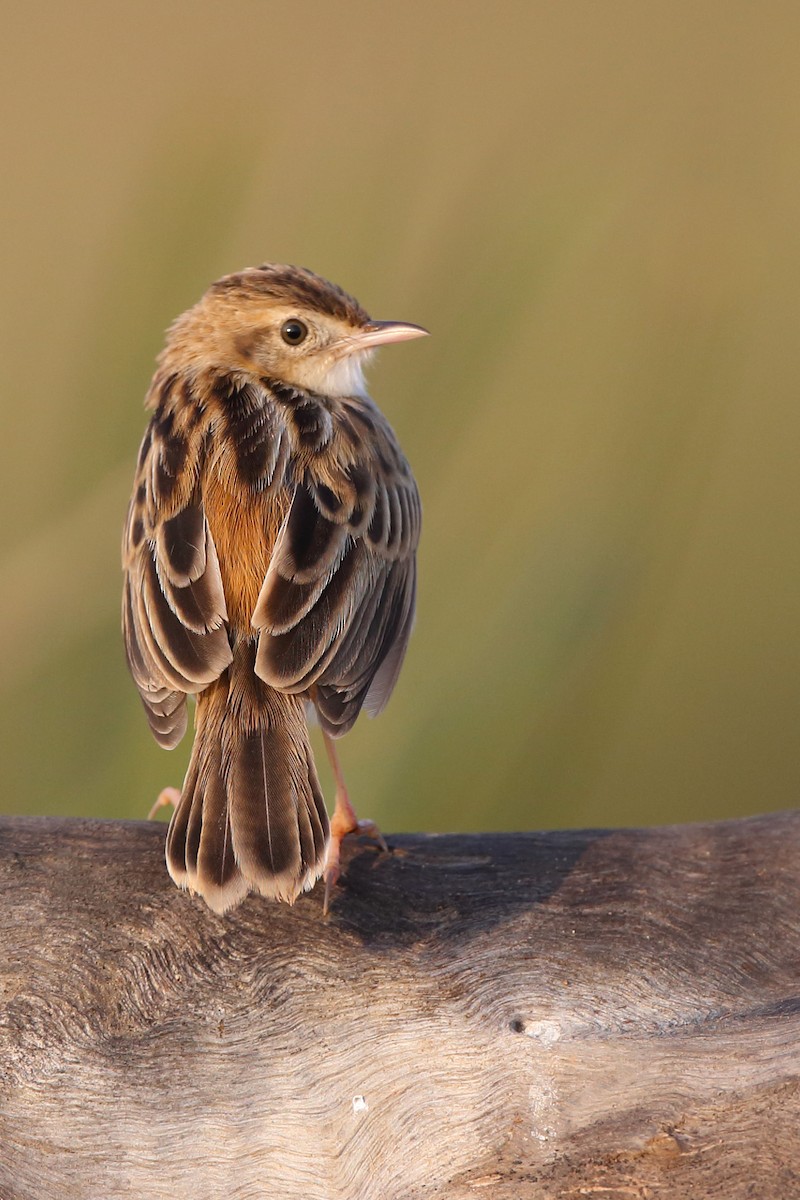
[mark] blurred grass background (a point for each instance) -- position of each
(596, 210)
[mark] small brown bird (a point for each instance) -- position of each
(269, 559)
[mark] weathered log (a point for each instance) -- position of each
(610, 1014)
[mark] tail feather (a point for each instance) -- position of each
(276, 803)
(221, 879)
(251, 815)
(178, 854)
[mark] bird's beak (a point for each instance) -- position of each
(381, 333)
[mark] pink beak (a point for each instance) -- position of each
(381, 333)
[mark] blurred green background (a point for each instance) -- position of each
(596, 210)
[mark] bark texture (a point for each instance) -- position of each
(612, 1014)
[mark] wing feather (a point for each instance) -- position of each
(174, 609)
(337, 604)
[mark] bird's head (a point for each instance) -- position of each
(286, 323)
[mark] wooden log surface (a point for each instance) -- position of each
(611, 1014)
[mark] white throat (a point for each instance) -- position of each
(342, 377)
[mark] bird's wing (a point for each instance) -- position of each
(337, 605)
(173, 607)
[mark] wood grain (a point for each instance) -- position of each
(610, 1014)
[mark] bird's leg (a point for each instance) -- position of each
(169, 796)
(343, 821)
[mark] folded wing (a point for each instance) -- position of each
(173, 608)
(337, 605)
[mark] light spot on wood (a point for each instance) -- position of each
(546, 1032)
(543, 1098)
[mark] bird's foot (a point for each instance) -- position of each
(343, 823)
(168, 798)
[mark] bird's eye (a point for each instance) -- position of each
(294, 331)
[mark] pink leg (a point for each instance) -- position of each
(166, 798)
(343, 822)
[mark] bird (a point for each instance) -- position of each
(269, 563)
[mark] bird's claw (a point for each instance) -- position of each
(167, 798)
(367, 828)
(364, 828)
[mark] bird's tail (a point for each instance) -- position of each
(251, 816)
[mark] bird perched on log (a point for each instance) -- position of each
(269, 561)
